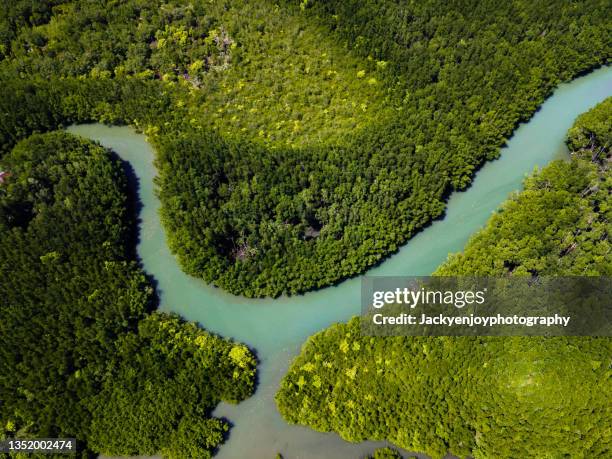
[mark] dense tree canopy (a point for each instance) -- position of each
(479, 397)
(298, 143)
(81, 353)
(485, 396)
(386, 453)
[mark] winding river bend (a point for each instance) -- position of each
(276, 328)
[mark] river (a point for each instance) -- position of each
(276, 328)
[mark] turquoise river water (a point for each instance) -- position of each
(276, 328)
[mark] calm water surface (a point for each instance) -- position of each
(277, 328)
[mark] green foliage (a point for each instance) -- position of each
(386, 453)
(484, 397)
(292, 136)
(81, 354)
(252, 68)
(592, 129)
(478, 396)
(157, 393)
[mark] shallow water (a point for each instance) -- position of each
(276, 328)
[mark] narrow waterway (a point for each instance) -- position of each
(276, 328)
